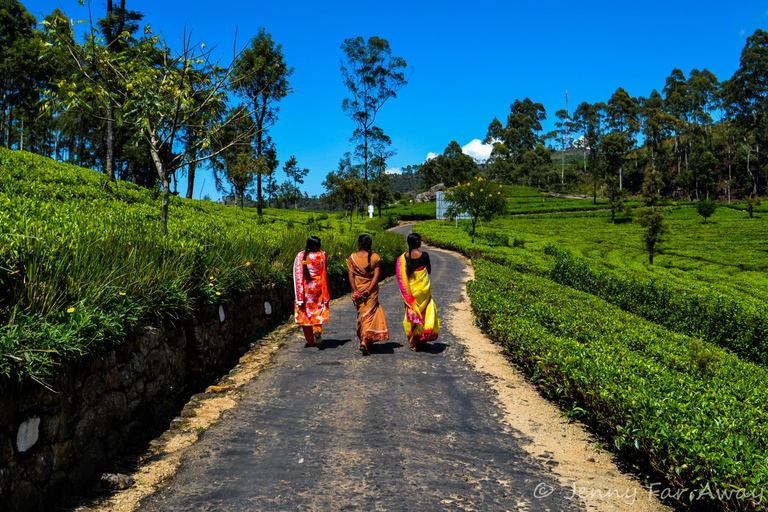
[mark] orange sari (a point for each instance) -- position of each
(311, 304)
(371, 324)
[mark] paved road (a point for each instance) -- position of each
(333, 430)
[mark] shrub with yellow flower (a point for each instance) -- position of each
(462, 199)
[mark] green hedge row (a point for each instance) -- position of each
(730, 322)
(488, 245)
(698, 413)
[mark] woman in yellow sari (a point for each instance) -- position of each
(413, 268)
(364, 267)
(311, 291)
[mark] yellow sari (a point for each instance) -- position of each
(420, 323)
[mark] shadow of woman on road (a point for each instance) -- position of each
(329, 343)
(385, 348)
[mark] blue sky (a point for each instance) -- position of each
(469, 61)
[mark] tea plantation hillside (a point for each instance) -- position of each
(669, 361)
(81, 263)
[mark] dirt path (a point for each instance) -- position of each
(457, 428)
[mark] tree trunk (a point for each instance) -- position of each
(365, 156)
(562, 166)
(757, 172)
(594, 185)
(8, 123)
(749, 171)
(191, 179)
(163, 175)
(258, 195)
(729, 173)
(166, 201)
(696, 184)
(80, 150)
(259, 148)
(110, 163)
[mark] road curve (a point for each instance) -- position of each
(399, 430)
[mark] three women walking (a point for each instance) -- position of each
(364, 271)
(412, 269)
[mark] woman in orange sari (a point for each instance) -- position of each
(311, 291)
(364, 268)
(413, 268)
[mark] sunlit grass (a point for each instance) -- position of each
(81, 263)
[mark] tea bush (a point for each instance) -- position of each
(732, 322)
(695, 412)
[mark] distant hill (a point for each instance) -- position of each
(404, 182)
(572, 155)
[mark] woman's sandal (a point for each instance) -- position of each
(364, 349)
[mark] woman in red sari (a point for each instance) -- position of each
(311, 290)
(364, 268)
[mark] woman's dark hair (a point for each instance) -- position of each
(313, 245)
(366, 243)
(414, 239)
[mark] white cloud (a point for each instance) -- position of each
(394, 170)
(581, 142)
(431, 155)
(477, 150)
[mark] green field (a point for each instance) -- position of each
(668, 360)
(81, 263)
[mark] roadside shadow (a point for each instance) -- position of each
(385, 348)
(330, 343)
(436, 348)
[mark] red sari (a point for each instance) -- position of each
(311, 304)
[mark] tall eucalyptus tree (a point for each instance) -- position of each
(373, 76)
(261, 74)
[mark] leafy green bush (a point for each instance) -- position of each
(380, 224)
(696, 412)
(412, 211)
(706, 208)
(728, 321)
(497, 239)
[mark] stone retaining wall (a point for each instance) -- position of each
(56, 443)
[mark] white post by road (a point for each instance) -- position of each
(370, 211)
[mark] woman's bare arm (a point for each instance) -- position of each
(374, 281)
